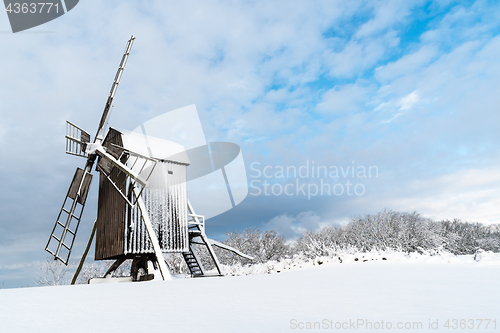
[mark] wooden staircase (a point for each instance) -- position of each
(194, 263)
(196, 229)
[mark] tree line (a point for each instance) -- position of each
(386, 230)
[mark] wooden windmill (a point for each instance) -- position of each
(143, 207)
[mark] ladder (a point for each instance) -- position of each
(196, 229)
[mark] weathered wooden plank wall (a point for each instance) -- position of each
(110, 227)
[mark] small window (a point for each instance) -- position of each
(170, 172)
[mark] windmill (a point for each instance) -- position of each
(143, 209)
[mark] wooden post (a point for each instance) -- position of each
(84, 254)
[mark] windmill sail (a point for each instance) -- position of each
(63, 234)
(76, 140)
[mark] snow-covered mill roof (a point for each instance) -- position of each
(154, 147)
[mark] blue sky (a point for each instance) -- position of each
(410, 87)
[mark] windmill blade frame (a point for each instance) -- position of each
(76, 140)
(105, 115)
(78, 143)
(77, 195)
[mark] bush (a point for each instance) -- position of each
(406, 232)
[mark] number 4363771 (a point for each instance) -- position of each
(470, 324)
(33, 7)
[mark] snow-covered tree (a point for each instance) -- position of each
(262, 246)
(52, 273)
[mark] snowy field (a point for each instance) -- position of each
(389, 295)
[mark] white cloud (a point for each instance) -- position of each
(472, 195)
(345, 99)
(408, 64)
(386, 15)
(358, 56)
(408, 101)
(283, 226)
(292, 227)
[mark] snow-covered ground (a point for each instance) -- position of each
(410, 291)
